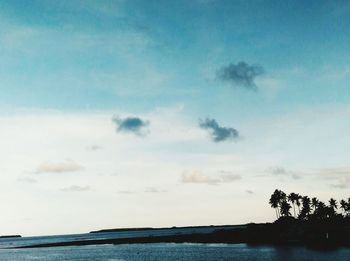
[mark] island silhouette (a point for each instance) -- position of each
(300, 220)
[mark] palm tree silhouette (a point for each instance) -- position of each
(314, 203)
(344, 206)
(279, 201)
(333, 204)
(274, 201)
(305, 211)
(293, 197)
(322, 211)
(298, 202)
(285, 207)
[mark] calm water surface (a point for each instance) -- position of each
(172, 251)
(162, 251)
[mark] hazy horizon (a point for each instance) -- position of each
(169, 113)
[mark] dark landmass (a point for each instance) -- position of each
(330, 233)
(161, 228)
(316, 224)
(10, 236)
(121, 230)
(285, 231)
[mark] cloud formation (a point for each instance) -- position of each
(217, 132)
(340, 185)
(340, 177)
(331, 172)
(58, 167)
(134, 125)
(126, 192)
(27, 180)
(199, 178)
(154, 190)
(75, 188)
(280, 171)
(94, 147)
(240, 74)
(229, 177)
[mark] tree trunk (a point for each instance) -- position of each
(279, 212)
(294, 210)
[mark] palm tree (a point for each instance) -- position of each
(283, 196)
(274, 201)
(344, 206)
(306, 203)
(322, 211)
(285, 207)
(305, 211)
(314, 203)
(333, 204)
(280, 202)
(293, 197)
(298, 202)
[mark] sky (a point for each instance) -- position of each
(169, 113)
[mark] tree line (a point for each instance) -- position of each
(305, 208)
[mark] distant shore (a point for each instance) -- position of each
(313, 224)
(282, 232)
(10, 236)
(163, 228)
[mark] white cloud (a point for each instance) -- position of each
(338, 177)
(126, 192)
(94, 147)
(230, 177)
(59, 167)
(154, 190)
(27, 180)
(296, 141)
(75, 188)
(278, 170)
(198, 177)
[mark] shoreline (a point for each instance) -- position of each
(10, 236)
(291, 233)
(108, 230)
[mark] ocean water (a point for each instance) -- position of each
(25, 241)
(172, 251)
(160, 251)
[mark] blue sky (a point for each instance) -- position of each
(68, 68)
(76, 54)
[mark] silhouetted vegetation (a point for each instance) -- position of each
(314, 222)
(311, 209)
(300, 221)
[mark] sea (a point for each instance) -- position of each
(157, 251)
